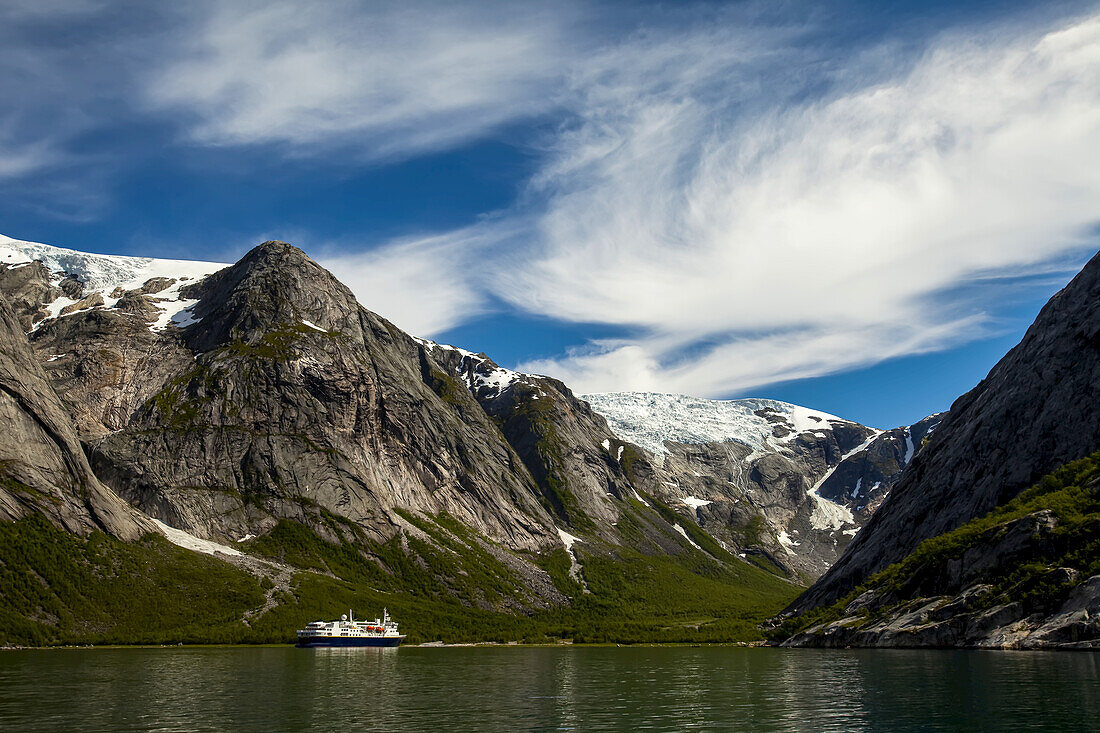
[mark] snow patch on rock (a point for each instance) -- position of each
(649, 419)
(574, 567)
(480, 373)
(107, 274)
(786, 541)
(828, 515)
(695, 503)
(191, 542)
(683, 532)
(568, 539)
(910, 449)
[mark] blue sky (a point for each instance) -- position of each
(858, 207)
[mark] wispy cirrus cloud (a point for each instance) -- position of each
(749, 212)
(425, 284)
(68, 76)
(748, 201)
(385, 81)
(810, 237)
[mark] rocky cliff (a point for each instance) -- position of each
(768, 478)
(296, 401)
(1035, 411)
(222, 400)
(862, 480)
(1024, 576)
(42, 467)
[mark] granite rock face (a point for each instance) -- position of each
(28, 288)
(952, 605)
(222, 399)
(863, 479)
(222, 403)
(42, 466)
(295, 401)
(1035, 411)
(585, 475)
(766, 478)
(106, 363)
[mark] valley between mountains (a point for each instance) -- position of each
(196, 452)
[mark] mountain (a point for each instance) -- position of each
(43, 281)
(768, 478)
(259, 407)
(1034, 412)
(1024, 576)
(42, 467)
(105, 324)
(959, 553)
(863, 479)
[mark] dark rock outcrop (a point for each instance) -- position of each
(28, 288)
(952, 605)
(1035, 411)
(864, 478)
(42, 466)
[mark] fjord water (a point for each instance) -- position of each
(522, 688)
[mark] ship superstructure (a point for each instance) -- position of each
(349, 632)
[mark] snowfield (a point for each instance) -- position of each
(191, 542)
(103, 274)
(649, 419)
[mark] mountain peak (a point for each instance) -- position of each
(1033, 413)
(274, 285)
(275, 249)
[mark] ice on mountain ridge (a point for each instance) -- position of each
(649, 419)
(497, 379)
(104, 274)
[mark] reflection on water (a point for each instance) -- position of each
(513, 688)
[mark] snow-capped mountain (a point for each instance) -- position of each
(314, 402)
(83, 280)
(764, 477)
(651, 419)
(798, 482)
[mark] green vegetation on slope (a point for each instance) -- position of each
(454, 590)
(60, 588)
(658, 598)
(1071, 494)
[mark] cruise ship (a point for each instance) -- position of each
(349, 632)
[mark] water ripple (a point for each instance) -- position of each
(545, 689)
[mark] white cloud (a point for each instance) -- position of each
(747, 202)
(815, 237)
(20, 157)
(424, 285)
(392, 81)
(702, 190)
(659, 364)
